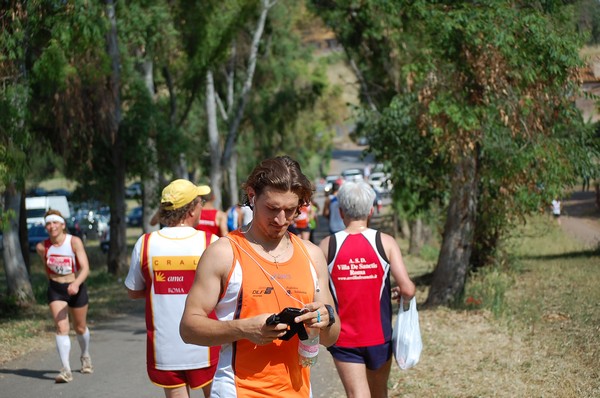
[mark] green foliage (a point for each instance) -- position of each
(487, 289)
(588, 20)
(449, 78)
(291, 105)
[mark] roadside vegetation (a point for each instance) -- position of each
(527, 327)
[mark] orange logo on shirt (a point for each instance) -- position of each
(174, 274)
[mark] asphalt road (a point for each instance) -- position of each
(119, 358)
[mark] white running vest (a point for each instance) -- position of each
(172, 258)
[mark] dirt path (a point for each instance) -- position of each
(581, 218)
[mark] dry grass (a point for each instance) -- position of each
(546, 343)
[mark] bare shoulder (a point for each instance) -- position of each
(218, 255)
(314, 251)
(387, 239)
(221, 247)
(324, 245)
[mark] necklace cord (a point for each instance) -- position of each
(270, 277)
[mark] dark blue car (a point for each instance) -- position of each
(134, 217)
(35, 234)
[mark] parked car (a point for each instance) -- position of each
(381, 182)
(59, 192)
(329, 180)
(36, 233)
(36, 191)
(352, 174)
(134, 190)
(134, 217)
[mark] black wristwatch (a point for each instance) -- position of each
(331, 312)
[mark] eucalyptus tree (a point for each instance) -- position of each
(480, 97)
(259, 88)
(15, 142)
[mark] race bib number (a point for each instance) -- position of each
(60, 265)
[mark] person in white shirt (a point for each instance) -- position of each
(162, 270)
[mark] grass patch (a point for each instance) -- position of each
(535, 333)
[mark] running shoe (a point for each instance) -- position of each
(86, 364)
(64, 376)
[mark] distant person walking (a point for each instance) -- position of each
(301, 222)
(331, 210)
(67, 268)
(556, 210)
(163, 265)
(360, 261)
(212, 220)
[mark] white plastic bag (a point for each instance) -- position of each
(406, 337)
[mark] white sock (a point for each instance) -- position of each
(84, 342)
(63, 345)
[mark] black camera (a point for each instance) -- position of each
(287, 316)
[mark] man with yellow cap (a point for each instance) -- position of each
(162, 269)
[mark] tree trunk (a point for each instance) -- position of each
(151, 180)
(453, 264)
(416, 237)
(117, 254)
(180, 166)
(17, 278)
(216, 171)
(404, 228)
(23, 238)
(233, 182)
(235, 121)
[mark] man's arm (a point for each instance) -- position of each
(211, 278)
(134, 282)
(326, 207)
(328, 335)
(397, 268)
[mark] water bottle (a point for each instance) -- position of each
(308, 351)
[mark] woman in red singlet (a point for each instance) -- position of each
(67, 267)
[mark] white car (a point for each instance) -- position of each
(329, 180)
(381, 182)
(352, 174)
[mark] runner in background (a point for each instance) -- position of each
(301, 223)
(67, 268)
(212, 219)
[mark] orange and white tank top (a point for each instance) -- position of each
(301, 220)
(257, 286)
(60, 260)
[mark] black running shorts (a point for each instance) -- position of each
(58, 292)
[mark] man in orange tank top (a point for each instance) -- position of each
(256, 272)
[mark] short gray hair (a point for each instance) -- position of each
(356, 199)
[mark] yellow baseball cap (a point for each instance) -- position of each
(181, 192)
